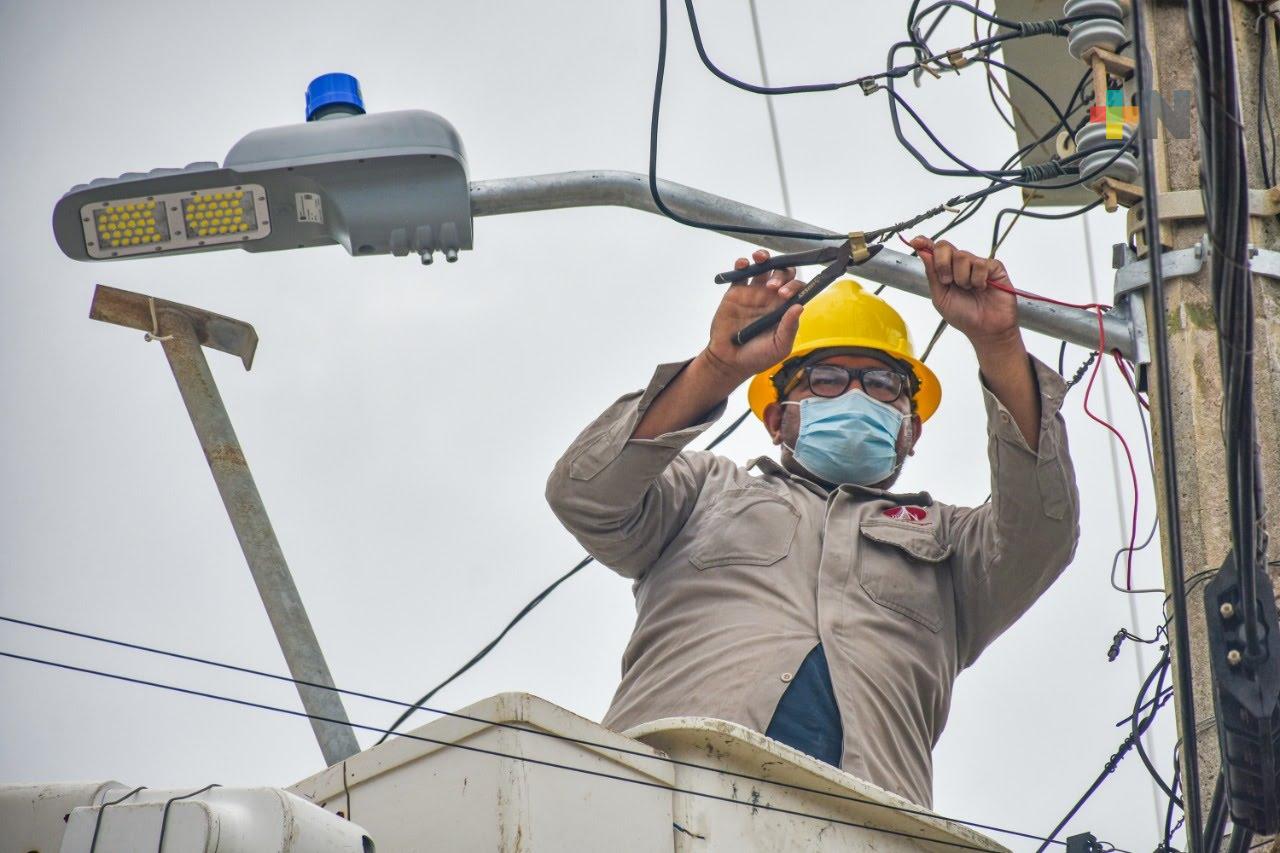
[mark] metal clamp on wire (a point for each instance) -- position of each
(858, 249)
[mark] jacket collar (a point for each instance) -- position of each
(768, 465)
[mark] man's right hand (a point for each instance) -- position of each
(722, 366)
(742, 304)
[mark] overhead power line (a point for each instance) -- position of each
(541, 762)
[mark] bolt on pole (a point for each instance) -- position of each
(182, 330)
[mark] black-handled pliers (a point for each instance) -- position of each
(835, 260)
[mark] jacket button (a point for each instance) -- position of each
(786, 677)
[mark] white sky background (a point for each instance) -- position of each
(401, 421)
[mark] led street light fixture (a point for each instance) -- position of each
(387, 183)
(136, 226)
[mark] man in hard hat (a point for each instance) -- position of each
(801, 598)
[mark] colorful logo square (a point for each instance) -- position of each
(1116, 114)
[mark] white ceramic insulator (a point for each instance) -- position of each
(1107, 34)
(1088, 140)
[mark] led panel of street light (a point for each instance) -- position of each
(158, 223)
(381, 183)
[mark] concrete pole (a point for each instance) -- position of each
(257, 538)
(1196, 380)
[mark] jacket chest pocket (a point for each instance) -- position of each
(746, 527)
(900, 566)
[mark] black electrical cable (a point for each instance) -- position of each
(1030, 27)
(1022, 29)
(1134, 735)
(1172, 512)
(696, 32)
(1266, 154)
(1169, 827)
(1078, 211)
(1017, 29)
(1225, 191)
(528, 608)
(1039, 173)
(997, 178)
(102, 809)
(480, 655)
(1040, 176)
(164, 815)
(991, 93)
(1033, 177)
(653, 156)
(971, 8)
(1216, 819)
(974, 201)
(1241, 838)
(1163, 668)
(1162, 698)
(1081, 370)
(1031, 84)
(922, 52)
(991, 83)
(498, 754)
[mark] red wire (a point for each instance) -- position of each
(1097, 365)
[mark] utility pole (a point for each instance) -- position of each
(1193, 363)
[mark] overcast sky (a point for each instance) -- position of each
(405, 487)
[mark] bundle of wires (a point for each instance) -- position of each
(1053, 174)
(1225, 190)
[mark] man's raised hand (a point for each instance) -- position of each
(960, 292)
(744, 303)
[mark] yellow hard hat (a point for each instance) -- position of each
(845, 315)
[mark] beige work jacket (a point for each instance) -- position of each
(737, 575)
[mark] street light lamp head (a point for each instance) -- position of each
(387, 183)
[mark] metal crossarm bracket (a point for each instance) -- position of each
(1135, 274)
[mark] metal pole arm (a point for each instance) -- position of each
(895, 269)
(183, 330)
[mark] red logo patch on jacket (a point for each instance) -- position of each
(905, 513)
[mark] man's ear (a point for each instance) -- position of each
(917, 426)
(773, 421)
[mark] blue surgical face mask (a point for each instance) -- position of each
(848, 439)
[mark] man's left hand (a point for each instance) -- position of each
(958, 286)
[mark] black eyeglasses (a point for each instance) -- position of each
(832, 380)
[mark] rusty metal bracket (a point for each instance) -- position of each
(133, 310)
(1115, 64)
(184, 332)
(1116, 193)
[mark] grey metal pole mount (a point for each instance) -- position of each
(895, 269)
(183, 330)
